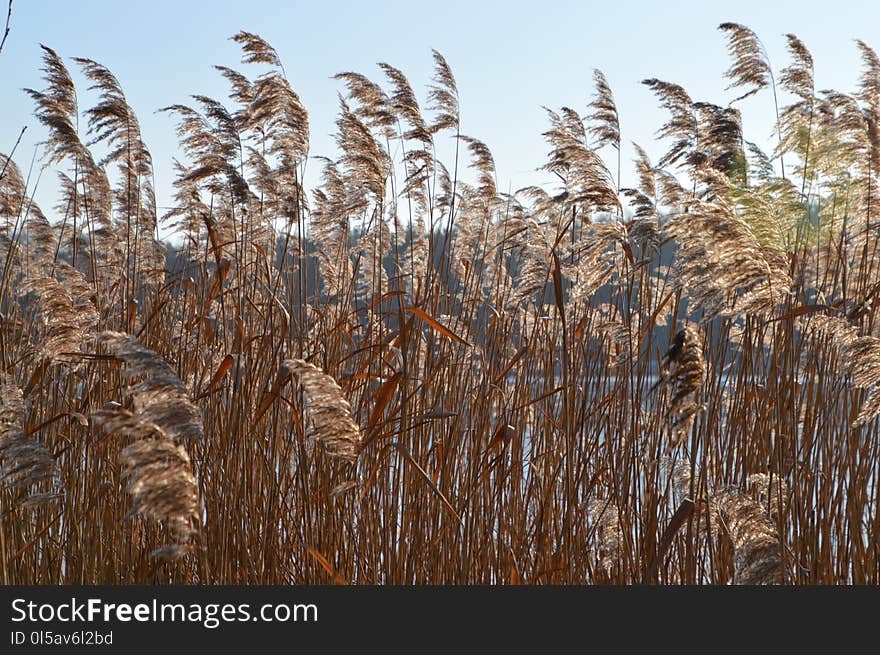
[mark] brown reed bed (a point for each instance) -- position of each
(406, 376)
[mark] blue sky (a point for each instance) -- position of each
(509, 58)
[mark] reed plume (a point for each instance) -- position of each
(25, 463)
(750, 69)
(757, 554)
(685, 373)
(161, 420)
(327, 409)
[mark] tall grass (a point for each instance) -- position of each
(406, 376)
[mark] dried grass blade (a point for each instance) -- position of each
(439, 327)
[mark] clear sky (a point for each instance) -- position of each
(510, 59)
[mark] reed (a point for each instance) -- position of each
(407, 376)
